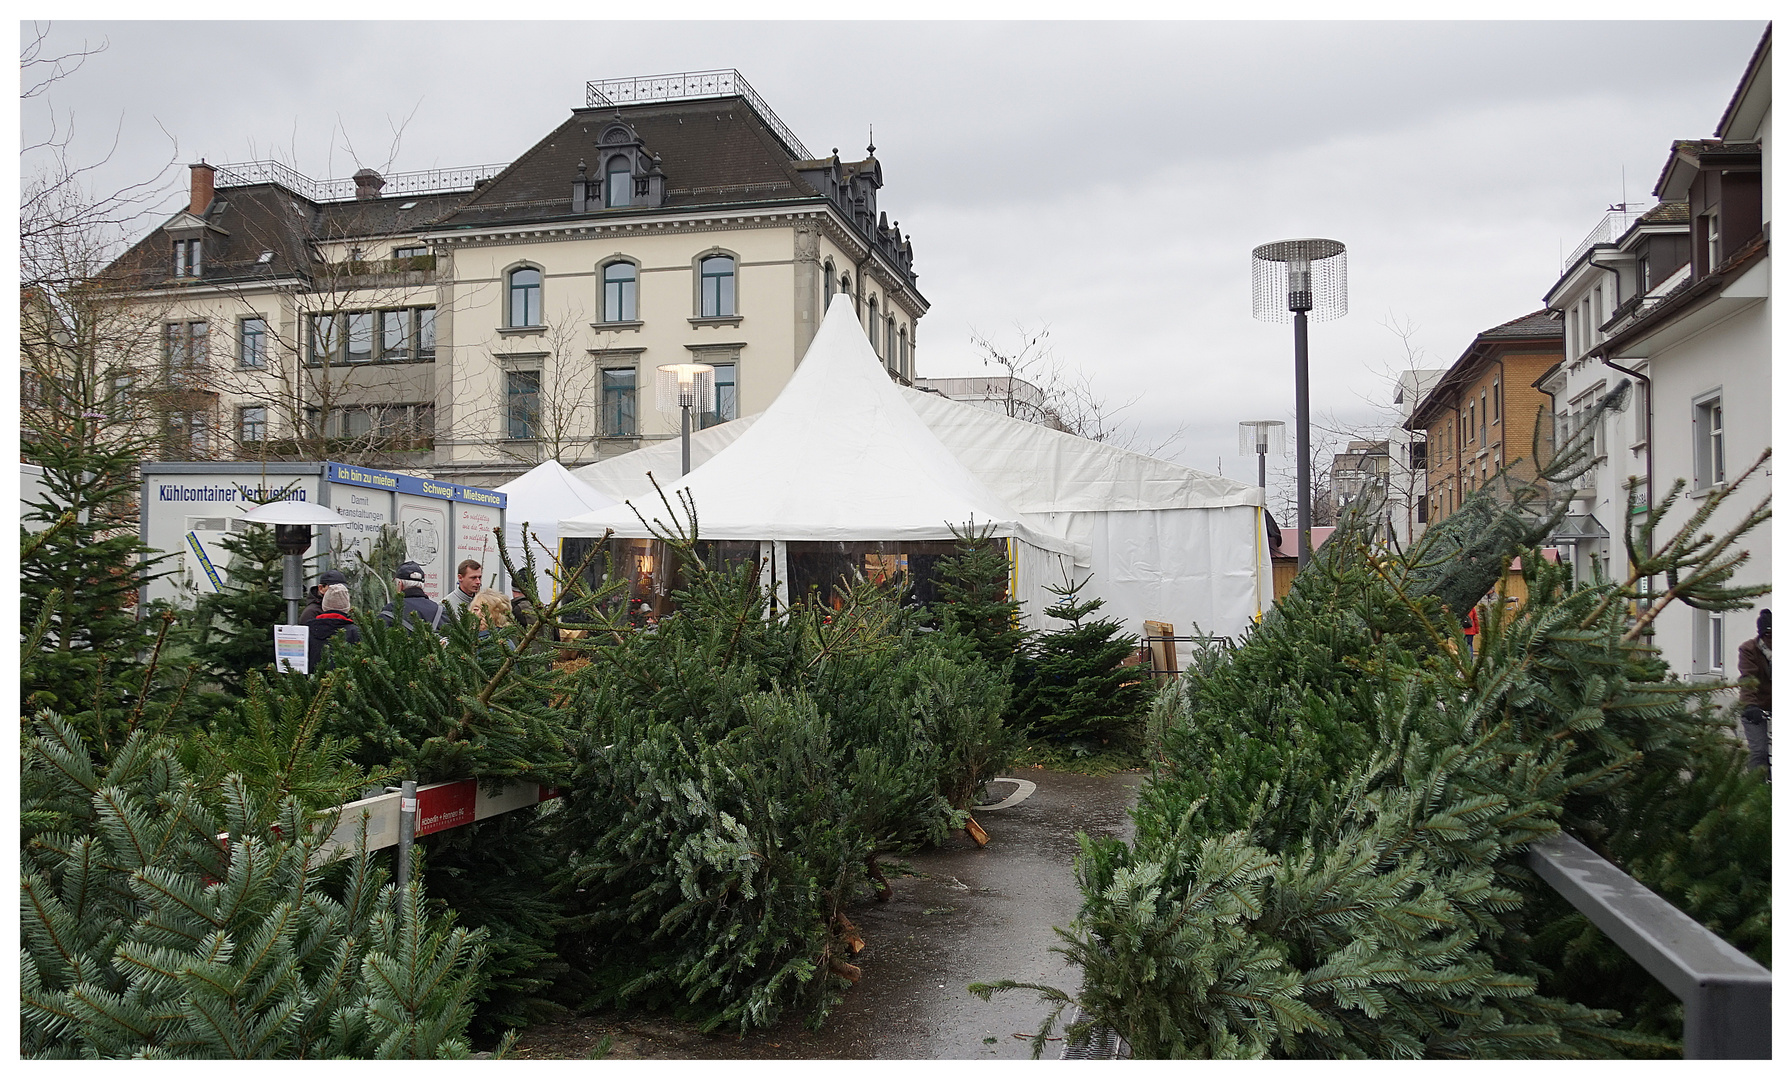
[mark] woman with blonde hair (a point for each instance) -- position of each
(491, 609)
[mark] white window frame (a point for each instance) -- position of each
(1708, 440)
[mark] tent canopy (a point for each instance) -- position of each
(840, 455)
(537, 500)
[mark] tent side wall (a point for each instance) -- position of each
(1203, 571)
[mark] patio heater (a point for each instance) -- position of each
(1289, 279)
(684, 386)
(1263, 438)
(292, 522)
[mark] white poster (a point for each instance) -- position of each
(366, 509)
(474, 539)
(425, 524)
(292, 644)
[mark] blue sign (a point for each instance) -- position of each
(362, 476)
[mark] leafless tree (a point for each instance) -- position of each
(559, 420)
(84, 376)
(1031, 383)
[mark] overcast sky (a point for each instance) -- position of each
(1105, 180)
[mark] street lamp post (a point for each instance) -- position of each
(1290, 278)
(1263, 438)
(292, 522)
(684, 386)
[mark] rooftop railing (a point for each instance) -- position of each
(690, 86)
(419, 182)
(1610, 227)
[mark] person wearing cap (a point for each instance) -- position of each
(333, 619)
(1754, 662)
(315, 602)
(419, 609)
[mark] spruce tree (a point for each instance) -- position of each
(144, 936)
(1328, 858)
(1075, 689)
(234, 627)
(973, 597)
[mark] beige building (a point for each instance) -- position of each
(472, 323)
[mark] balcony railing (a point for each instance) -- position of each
(690, 86)
(1610, 227)
(420, 182)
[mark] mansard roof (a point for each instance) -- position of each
(714, 152)
(248, 220)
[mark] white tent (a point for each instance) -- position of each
(535, 503)
(839, 456)
(1162, 541)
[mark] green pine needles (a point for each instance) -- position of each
(163, 919)
(1071, 686)
(1328, 859)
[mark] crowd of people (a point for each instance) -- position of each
(327, 611)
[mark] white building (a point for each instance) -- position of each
(1689, 320)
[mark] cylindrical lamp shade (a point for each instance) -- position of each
(1261, 436)
(678, 385)
(1299, 275)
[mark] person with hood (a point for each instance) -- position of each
(314, 605)
(419, 609)
(1754, 662)
(333, 619)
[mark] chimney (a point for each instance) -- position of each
(202, 188)
(368, 184)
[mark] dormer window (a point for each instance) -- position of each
(619, 183)
(189, 259)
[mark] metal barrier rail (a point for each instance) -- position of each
(1728, 997)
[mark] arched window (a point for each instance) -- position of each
(715, 286)
(890, 353)
(871, 324)
(619, 183)
(619, 292)
(525, 297)
(827, 284)
(902, 339)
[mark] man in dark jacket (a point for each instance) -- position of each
(332, 620)
(315, 599)
(1754, 661)
(419, 609)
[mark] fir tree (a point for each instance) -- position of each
(1328, 858)
(973, 597)
(235, 626)
(1074, 688)
(143, 936)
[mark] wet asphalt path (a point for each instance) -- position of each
(965, 914)
(974, 915)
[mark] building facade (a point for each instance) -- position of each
(1689, 324)
(1408, 504)
(1485, 414)
(472, 323)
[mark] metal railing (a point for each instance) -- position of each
(1728, 997)
(689, 86)
(342, 189)
(1610, 227)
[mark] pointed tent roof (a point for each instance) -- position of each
(539, 499)
(547, 493)
(840, 455)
